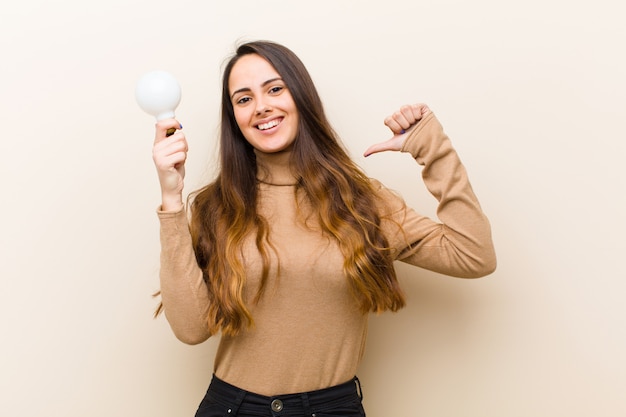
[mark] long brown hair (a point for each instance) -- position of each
(341, 196)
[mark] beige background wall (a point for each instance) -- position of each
(532, 94)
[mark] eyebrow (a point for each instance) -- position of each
(241, 90)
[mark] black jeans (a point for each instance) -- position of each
(225, 400)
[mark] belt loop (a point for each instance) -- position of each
(232, 412)
(306, 405)
(358, 386)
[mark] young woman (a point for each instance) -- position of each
(292, 245)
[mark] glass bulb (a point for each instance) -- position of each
(158, 93)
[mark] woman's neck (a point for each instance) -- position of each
(275, 168)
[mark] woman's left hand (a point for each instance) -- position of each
(399, 123)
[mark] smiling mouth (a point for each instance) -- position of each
(269, 125)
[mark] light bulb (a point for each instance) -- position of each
(158, 93)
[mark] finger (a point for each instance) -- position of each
(392, 144)
(374, 149)
(165, 128)
(411, 114)
(394, 125)
(163, 151)
(169, 145)
(162, 154)
(420, 110)
(176, 142)
(402, 120)
(415, 112)
(173, 161)
(177, 159)
(164, 161)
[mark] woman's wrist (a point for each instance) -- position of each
(171, 202)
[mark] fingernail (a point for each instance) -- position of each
(181, 126)
(402, 131)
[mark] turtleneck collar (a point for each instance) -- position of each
(275, 168)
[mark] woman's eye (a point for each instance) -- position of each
(276, 89)
(243, 100)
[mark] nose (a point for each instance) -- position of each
(262, 107)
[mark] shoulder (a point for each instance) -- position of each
(388, 201)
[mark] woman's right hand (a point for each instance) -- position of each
(169, 154)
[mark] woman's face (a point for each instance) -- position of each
(263, 106)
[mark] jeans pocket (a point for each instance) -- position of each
(210, 408)
(346, 409)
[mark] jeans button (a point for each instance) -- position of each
(277, 405)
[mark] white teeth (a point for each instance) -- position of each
(268, 125)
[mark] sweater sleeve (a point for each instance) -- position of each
(183, 291)
(460, 243)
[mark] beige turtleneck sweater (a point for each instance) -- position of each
(309, 332)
